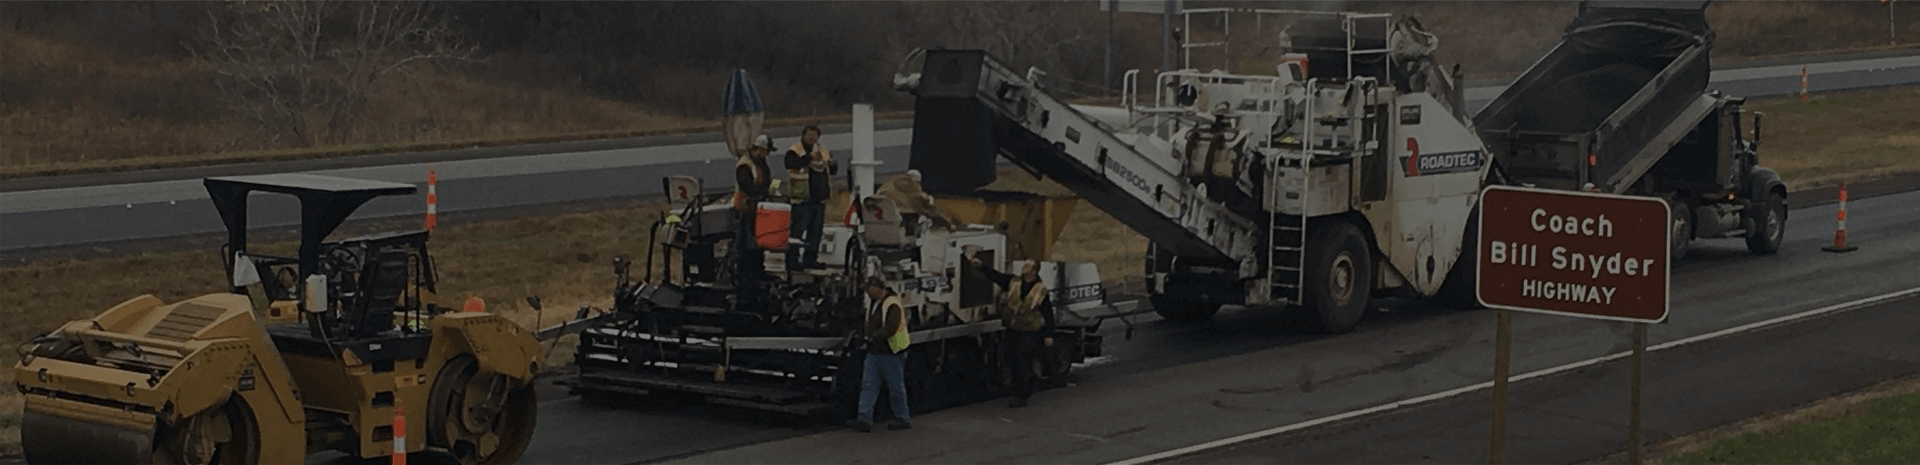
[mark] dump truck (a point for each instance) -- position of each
(1621, 105)
(324, 350)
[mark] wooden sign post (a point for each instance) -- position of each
(1578, 254)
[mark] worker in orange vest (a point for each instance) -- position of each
(751, 181)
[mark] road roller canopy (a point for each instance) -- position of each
(325, 202)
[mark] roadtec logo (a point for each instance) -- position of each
(1078, 294)
(1442, 163)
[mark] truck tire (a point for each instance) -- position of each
(1770, 228)
(1458, 291)
(1183, 311)
(1682, 230)
(1339, 276)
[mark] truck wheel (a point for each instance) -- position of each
(1183, 311)
(1682, 230)
(1339, 278)
(227, 434)
(479, 417)
(1770, 228)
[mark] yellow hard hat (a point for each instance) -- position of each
(673, 218)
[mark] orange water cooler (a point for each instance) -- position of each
(770, 225)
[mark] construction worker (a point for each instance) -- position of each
(809, 174)
(1027, 311)
(885, 361)
(751, 179)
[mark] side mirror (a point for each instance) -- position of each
(534, 301)
(244, 274)
(1758, 117)
(620, 266)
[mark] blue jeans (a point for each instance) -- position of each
(803, 246)
(894, 369)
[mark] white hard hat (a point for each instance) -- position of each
(915, 174)
(763, 142)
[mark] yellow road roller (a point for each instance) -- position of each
(322, 351)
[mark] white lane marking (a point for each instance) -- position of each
(1837, 308)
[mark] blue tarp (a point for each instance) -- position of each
(741, 97)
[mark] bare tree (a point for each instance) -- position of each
(308, 68)
(1039, 34)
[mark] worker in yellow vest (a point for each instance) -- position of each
(1026, 310)
(751, 180)
(887, 342)
(810, 170)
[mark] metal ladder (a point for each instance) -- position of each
(1287, 257)
(1287, 234)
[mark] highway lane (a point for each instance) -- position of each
(75, 215)
(1581, 417)
(1290, 379)
(1174, 385)
(158, 206)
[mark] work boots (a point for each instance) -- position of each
(860, 425)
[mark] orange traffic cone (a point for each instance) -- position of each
(433, 199)
(399, 437)
(1840, 233)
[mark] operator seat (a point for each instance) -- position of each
(387, 282)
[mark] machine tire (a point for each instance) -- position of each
(1458, 290)
(1339, 276)
(1183, 311)
(1682, 227)
(1770, 228)
(513, 425)
(241, 447)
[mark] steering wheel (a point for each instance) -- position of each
(341, 265)
(343, 258)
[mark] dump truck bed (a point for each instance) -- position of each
(1599, 104)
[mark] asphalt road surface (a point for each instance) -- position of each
(1174, 386)
(86, 209)
(1583, 415)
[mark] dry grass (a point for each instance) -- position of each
(64, 102)
(71, 107)
(1528, 29)
(1851, 137)
(10, 405)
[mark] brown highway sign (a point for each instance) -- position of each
(1574, 253)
